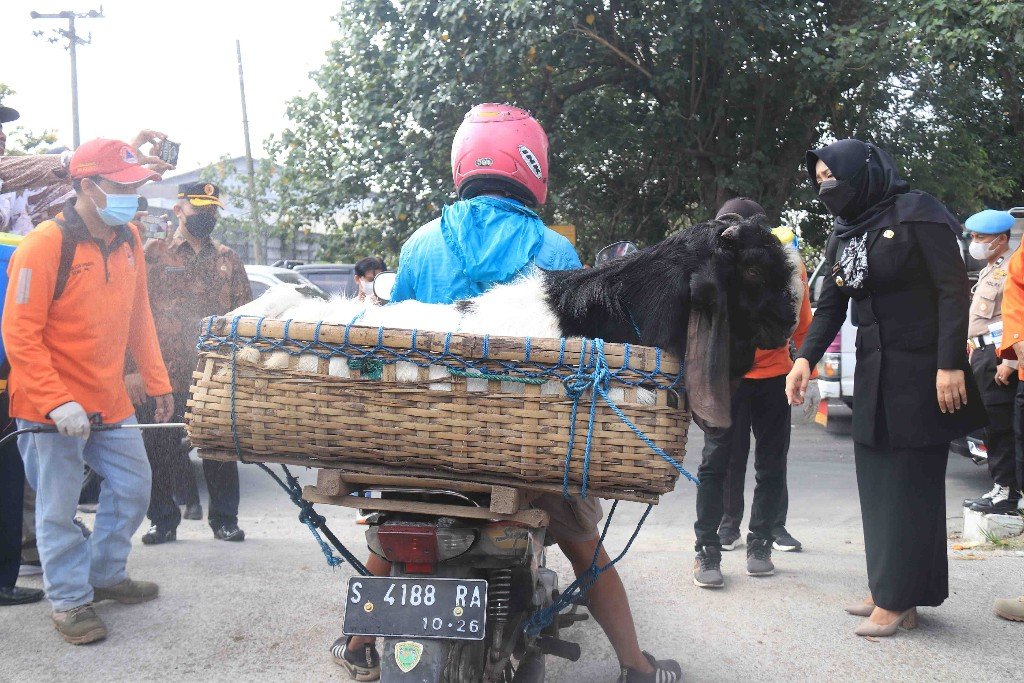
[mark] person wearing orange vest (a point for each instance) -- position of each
(758, 405)
(77, 301)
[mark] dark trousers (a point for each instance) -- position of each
(999, 404)
(12, 488)
(759, 405)
(903, 508)
(735, 486)
(167, 458)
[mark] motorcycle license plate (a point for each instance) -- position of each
(454, 609)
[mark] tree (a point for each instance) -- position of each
(21, 140)
(657, 111)
(963, 132)
(273, 212)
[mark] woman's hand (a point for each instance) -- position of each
(796, 381)
(952, 390)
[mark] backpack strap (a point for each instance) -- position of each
(67, 258)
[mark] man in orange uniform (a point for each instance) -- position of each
(1011, 347)
(77, 301)
(759, 404)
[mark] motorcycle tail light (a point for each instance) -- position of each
(454, 542)
(419, 543)
(408, 543)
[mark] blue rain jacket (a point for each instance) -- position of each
(475, 244)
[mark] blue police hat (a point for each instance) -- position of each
(990, 222)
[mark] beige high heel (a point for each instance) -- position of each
(862, 609)
(907, 620)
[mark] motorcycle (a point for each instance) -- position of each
(460, 592)
(462, 589)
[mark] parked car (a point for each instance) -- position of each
(262, 278)
(335, 278)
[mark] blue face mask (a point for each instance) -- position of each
(120, 208)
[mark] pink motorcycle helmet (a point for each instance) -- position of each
(503, 149)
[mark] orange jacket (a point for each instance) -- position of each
(776, 362)
(73, 348)
(1013, 309)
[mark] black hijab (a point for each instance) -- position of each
(882, 198)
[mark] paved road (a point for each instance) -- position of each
(268, 608)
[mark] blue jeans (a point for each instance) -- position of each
(55, 468)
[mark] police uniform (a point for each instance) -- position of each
(985, 327)
(188, 286)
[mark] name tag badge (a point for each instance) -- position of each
(175, 270)
(996, 330)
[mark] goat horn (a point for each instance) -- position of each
(731, 233)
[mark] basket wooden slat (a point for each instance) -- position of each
(518, 434)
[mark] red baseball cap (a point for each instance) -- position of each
(112, 160)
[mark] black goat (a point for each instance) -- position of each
(717, 286)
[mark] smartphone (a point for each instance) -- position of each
(169, 152)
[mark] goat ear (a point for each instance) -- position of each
(731, 233)
(707, 354)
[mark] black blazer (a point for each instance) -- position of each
(912, 320)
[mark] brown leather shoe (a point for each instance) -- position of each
(79, 625)
(128, 592)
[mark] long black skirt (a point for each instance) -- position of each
(903, 508)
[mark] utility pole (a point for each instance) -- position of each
(74, 40)
(254, 214)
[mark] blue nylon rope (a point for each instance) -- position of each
(575, 591)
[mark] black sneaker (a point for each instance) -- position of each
(16, 595)
(730, 538)
(785, 542)
(361, 666)
(759, 557)
(968, 502)
(156, 536)
(229, 532)
(665, 671)
(1004, 502)
(707, 568)
(193, 511)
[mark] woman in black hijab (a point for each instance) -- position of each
(895, 252)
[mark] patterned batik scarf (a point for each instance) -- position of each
(854, 262)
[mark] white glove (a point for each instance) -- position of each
(812, 397)
(72, 420)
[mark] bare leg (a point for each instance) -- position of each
(608, 602)
(378, 566)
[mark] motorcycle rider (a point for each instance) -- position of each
(490, 236)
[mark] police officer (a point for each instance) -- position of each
(192, 277)
(997, 379)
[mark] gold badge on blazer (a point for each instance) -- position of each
(888, 234)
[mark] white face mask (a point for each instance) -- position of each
(981, 251)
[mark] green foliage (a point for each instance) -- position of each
(21, 140)
(967, 116)
(657, 111)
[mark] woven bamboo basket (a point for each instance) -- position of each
(270, 391)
